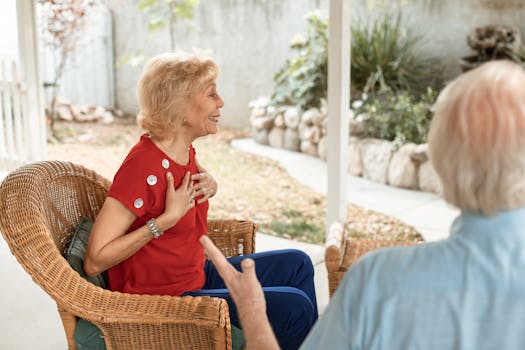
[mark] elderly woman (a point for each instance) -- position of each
(147, 232)
(465, 292)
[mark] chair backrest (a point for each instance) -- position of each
(41, 204)
(233, 237)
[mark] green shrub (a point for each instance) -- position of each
(398, 117)
(385, 55)
(302, 80)
(386, 65)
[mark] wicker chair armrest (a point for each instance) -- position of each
(132, 321)
(233, 237)
(333, 247)
(84, 299)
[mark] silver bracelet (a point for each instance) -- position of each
(153, 228)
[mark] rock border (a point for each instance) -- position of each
(289, 128)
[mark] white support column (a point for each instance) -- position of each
(28, 55)
(338, 109)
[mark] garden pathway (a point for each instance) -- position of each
(427, 212)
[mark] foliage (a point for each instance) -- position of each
(385, 55)
(161, 13)
(303, 79)
(62, 22)
(386, 66)
(397, 116)
(62, 25)
(518, 56)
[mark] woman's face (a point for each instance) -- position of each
(203, 113)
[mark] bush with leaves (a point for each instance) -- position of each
(384, 56)
(397, 116)
(302, 80)
(387, 56)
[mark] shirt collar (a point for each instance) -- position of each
(511, 221)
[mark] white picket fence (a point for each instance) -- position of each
(14, 125)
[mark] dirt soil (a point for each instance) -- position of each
(250, 187)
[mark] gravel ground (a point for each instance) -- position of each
(250, 187)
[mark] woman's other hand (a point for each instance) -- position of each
(205, 185)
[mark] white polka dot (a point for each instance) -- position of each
(138, 203)
(151, 180)
(165, 163)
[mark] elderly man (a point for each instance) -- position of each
(465, 292)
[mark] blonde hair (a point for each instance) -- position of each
(166, 86)
(477, 139)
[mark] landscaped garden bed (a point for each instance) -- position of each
(394, 87)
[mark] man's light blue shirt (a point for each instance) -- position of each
(465, 292)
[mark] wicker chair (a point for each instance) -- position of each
(342, 252)
(40, 206)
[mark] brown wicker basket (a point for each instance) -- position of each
(42, 203)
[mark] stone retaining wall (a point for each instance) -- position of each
(377, 160)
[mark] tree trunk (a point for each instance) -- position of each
(59, 72)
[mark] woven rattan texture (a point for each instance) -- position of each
(344, 251)
(42, 203)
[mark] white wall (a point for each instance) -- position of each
(250, 38)
(445, 24)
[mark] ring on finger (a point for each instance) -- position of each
(203, 190)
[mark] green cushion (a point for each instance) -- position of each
(87, 335)
(238, 342)
(77, 251)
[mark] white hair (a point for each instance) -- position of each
(477, 139)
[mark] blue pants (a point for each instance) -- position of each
(287, 278)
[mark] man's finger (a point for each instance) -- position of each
(248, 269)
(225, 269)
